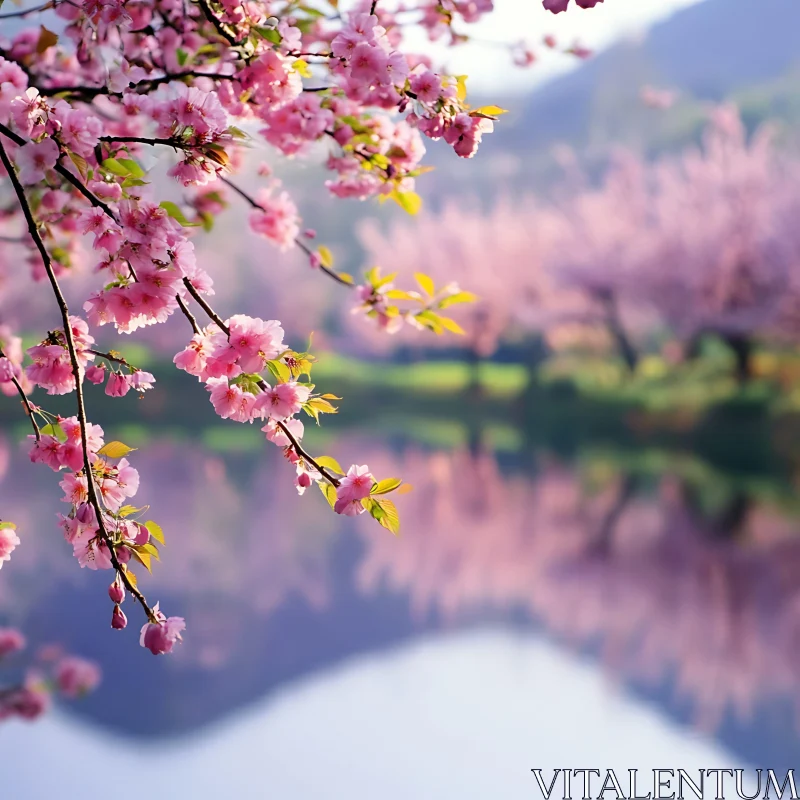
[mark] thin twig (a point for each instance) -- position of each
(299, 242)
(25, 401)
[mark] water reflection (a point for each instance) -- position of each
(682, 582)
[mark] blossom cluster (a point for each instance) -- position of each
(52, 671)
(199, 83)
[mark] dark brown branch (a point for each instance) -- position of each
(26, 11)
(94, 499)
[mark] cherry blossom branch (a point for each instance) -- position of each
(27, 11)
(98, 203)
(218, 321)
(212, 315)
(299, 242)
(26, 402)
(217, 23)
(76, 372)
(146, 83)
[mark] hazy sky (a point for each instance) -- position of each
(489, 67)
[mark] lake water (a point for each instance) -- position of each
(604, 608)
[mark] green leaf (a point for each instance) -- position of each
(458, 297)
(182, 56)
(270, 34)
(127, 510)
(426, 283)
(132, 166)
(155, 531)
(385, 512)
(4, 525)
(116, 167)
(329, 492)
(386, 485)
(279, 370)
(330, 463)
(54, 429)
(178, 215)
(115, 450)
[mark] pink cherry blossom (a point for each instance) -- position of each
(8, 542)
(353, 488)
(282, 400)
(118, 384)
(276, 435)
(11, 641)
(75, 676)
(229, 401)
(160, 637)
(34, 160)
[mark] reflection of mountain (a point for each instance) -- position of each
(688, 591)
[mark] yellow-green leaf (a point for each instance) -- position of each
(399, 294)
(302, 67)
(155, 531)
(127, 510)
(330, 463)
(115, 450)
(426, 283)
(410, 202)
(132, 167)
(279, 370)
(385, 512)
(458, 297)
(386, 485)
(461, 87)
(329, 492)
(54, 429)
(451, 325)
(490, 111)
(142, 557)
(174, 211)
(325, 256)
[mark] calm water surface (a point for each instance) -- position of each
(610, 609)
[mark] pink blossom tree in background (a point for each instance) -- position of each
(700, 243)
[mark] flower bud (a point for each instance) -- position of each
(116, 592)
(118, 619)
